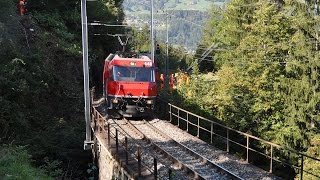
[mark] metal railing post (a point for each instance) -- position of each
(163, 111)
(96, 127)
(187, 122)
(93, 119)
(101, 122)
(155, 168)
(198, 127)
(271, 159)
(178, 117)
(301, 167)
(139, 161)
(170, 112)
(247, 149)
(109, 136)
(100, 127)
(126, 145)
(117, 141)
(166, 111)
(211, 134)
(227, 140)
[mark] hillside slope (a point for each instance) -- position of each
(143, 6)
(186, 18)
(41, 81)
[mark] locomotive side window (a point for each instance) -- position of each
(110, 74)
(133, 74)
(145, 75)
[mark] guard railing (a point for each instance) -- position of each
(112, 132)
(208, 130)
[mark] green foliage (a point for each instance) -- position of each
(311, 165)
(178, 58)
(15, 163)
(266, 79)
(141, 40)
(52, 167)
(41, 80)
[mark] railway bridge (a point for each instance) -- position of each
(178, 144)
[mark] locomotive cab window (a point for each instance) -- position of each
(133, 74)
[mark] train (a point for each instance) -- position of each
(129, 85)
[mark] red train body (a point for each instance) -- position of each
(129, 84)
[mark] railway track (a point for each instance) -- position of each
(148, 153)
(188, 162)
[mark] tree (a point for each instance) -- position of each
(41, 80)
(266, 79)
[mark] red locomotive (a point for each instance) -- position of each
(129, 84)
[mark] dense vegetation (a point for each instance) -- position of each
(264, 77)
(41, 92)
(15, 164)
(266, 73)
(178, 58)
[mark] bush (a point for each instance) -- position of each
(15, 163)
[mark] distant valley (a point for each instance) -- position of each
(186, 18)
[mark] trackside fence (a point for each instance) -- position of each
(126, 145)
(229, 138)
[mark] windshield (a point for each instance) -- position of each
(133, 74)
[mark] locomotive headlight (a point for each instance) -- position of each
(149, 102)
(115, 101)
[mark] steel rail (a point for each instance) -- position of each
(146, 140)
(196, 174)
(175, 110)
(100, 123)
(194, 152)
(156, 147)
(133, 140)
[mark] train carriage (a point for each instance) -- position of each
(129, 84)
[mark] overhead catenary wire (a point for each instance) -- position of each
(237, 61)
(172, 15)
(251, 48)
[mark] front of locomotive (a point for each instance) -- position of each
(132, 86)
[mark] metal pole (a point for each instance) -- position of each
(126, 144)
(247, 149)
(271, 159)
(117, 141)
(170, 113)
(155, 171)
(109, 134)
(152, 33)
(167, 54)
(139, 160)
(99, 120)
(87, 142)
(317, 32)
(227, 140)
(187, 122)
(211, 134)
(198, 134)
(178, 117)
(301, 168)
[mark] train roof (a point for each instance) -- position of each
(127, 58)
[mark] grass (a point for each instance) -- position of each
(15, 164)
